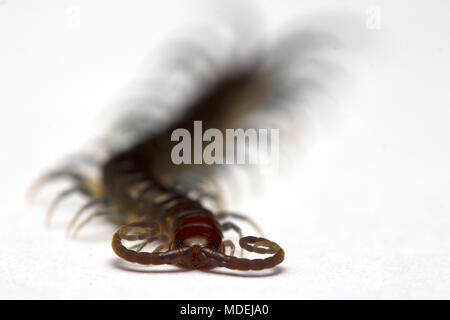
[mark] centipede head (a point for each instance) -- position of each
(196, 245)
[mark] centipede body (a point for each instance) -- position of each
(138, 189)
(185, 222)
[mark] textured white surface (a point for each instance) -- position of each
(364, 214)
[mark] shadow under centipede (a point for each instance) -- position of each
(125, 266)
(262, 274)
(93, 237)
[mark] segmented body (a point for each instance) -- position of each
(191, 234)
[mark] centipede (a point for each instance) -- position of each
(155, 202)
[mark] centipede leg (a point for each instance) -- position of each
(147, 241)
(225, 214)
(64, 194)
(51, 176)
(160, 237)
(228, 244)
(141, 246)
(231, 226)
(90, 204)
(162, 246)
(144, 191)
(92, 216)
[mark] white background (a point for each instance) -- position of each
(363, 212)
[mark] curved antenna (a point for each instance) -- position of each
(143, 231)
(251, 244)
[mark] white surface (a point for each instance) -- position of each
(364, 214)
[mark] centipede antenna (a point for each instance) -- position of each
(90, 204)
(60, 197)
(264, 246)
